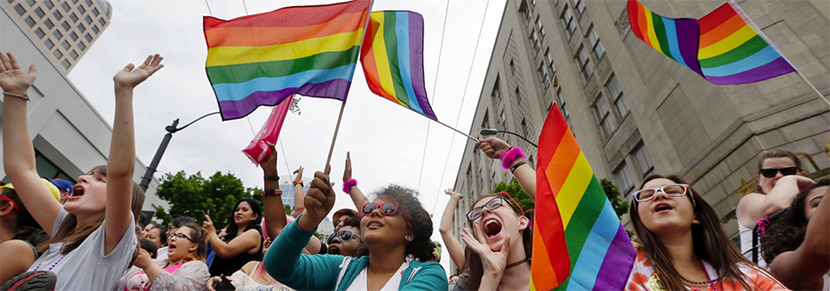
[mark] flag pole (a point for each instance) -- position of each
(764, 36)
(456, 130)
(334, 138)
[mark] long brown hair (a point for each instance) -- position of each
(74, 238)
(473, 260)
(199, 236)
(710, 243)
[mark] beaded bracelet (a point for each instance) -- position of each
(510, 156)
(24, 96)
(347, 185)
(272, 192)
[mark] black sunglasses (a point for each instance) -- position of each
(345, 235)
(770, 173)
(179, 236)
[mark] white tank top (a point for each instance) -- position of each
(747, 243)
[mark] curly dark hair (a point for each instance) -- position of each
(421, 246)
(788, 231)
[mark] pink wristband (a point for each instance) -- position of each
(510, 156)
(347, 186)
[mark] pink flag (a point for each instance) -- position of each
(257, 150)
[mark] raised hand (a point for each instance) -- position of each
(347, 172)
(493, 147)
(299, 173)
(131, 76)
(12, 77)
(143, 259)
(269, 165)
(319, 200)
(493, 262)
(208, 225)
(453, 194)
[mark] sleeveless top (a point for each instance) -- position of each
(226, 267)
(747, 244)
(245, 282)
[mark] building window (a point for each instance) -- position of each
(49, 4)
(81, 9)
(601, 109)
(39, 32)
(73, 35)
(617, 95)
(49, 170)
(81, 45)
(88, 3)
(561, 100)
(95, 11)
(543, 74)
(19, 9)
(503, 119)
(65, 6)
(549, 59)
(73, 17)
(496, 94)
(49, 44)
(30, 21)
(580, 5)
(625, 178)
(81, 27)
(95, 29)
(102, 21)
(88, 19)
(567, 18)
(30, 2)
(525, 131)
(532, 4)
(58, 54)
(57, 34)
(66, 63)
(49, 24)
(643, 160)
(525, 13)
(57, 14)
(596, 44)
(512, 67)
(584, 62)
(74, 1)
(39, 12)
(66, 26)
(73, 54)
(65, 44)
(534, 41)
(540, 27)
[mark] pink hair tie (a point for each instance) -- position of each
(510, 156)
(347, 186)
(763, 223)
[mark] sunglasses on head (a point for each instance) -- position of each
(345, 235)
(492, 204)
(770, 173)
(386, 208)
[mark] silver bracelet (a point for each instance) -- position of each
(24, 96)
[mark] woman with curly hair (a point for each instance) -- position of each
(796, 245)
(682, 245)
(395, 228)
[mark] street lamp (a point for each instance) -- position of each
(171, 129)
(493, 131)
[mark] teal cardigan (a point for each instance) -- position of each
(286, 263)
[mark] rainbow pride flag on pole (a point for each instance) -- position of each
(262, 59)
(726, 47)
(578, 240)
(393, 59)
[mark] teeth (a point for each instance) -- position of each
(489, 222)
(374, 224)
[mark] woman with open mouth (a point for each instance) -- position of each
(395, 228)
(682, 245)
(183, 269)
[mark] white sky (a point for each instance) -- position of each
(387, 141)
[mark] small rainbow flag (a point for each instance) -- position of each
(732, 52)
(578, 240)
(723, 46)
(262, 59)
(393, 59)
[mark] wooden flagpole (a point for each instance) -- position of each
(334, 138)
(820, 96)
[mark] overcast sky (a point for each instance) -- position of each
(387, 142)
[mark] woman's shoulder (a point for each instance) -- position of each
(21, 249)
(761, 277)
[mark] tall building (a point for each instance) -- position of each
(70, 137)
(635, 112)
(64, 28)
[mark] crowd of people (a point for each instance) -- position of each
(86, 236)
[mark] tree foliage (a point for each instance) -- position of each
(619, 204)
(195, 196)
(515, 190)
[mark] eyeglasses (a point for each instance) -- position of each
(14, 205)
(788, 171)
(345, 235)
(493, 204)
(673, 190)
(386, 208)
(179, 236)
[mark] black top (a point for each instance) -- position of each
(227, 267)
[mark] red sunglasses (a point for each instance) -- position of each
(386, 208)
(4, 198)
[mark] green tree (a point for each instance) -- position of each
(515, 190)
(619, 204)
(195, 196)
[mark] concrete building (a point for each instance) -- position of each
(287, 187)
(69, 135)
(635, 112)
(65, 29)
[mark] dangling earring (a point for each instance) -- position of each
(408, 238)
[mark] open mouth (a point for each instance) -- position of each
(374, 224)
(492, 228)
(662, 208)
(77, 191)
(334, 250)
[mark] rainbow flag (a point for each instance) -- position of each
(578, 240)
(722, 47)
(262, 59)
(733, 52)
(393, 59)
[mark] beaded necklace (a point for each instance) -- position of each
(53, 264)
(709, 281)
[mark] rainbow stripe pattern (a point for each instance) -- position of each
(722, 47)
(262, 59)
(393, 59)
(578, 240)
(732, 52)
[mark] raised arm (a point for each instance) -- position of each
(121, 160)
(272, 204)
(494, 148)
(18, 151)
(804, 267)
(245, 242)
(354, 192)
(754, 206)
(453, 246)
(298, 193)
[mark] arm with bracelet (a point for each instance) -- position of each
(299, 194)
(350, 185)
(272, 206)
(513, 159)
